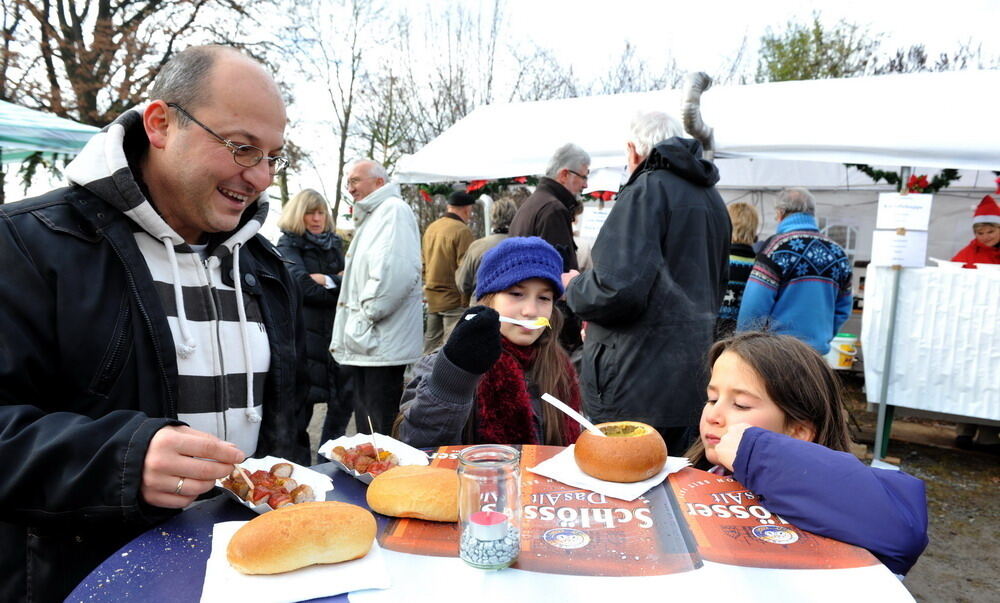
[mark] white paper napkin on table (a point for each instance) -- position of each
(223, 583)
(563, 467)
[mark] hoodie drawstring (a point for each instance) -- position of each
(252, 415)
(186, 347)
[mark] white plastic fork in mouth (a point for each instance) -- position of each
(539, 323)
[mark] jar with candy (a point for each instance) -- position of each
(489, 503)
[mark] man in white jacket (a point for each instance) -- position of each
(378, 328)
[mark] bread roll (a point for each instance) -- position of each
(416, 491)
(300, 535)
(628, 452)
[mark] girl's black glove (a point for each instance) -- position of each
(474, 344)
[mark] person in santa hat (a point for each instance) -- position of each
(985, 248)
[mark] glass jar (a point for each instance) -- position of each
(489, 503)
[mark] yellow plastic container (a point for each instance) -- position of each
(843, 350)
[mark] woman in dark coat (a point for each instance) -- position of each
(309, 241)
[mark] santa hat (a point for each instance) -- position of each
(987, 212)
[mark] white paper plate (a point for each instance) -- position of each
(406, 454)
(320, 483)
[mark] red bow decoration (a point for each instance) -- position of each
(523, 179)
(427, 196)
(917, 184)
(475, 185)
(602, 195)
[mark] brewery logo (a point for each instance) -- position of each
(774, 534)
(566, 538)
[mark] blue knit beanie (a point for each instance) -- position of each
(517, 259)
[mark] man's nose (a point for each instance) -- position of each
(259, 176)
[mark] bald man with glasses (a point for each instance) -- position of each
(152, 339)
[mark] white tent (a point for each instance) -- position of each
(936, 120)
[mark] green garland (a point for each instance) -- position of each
(493, 188)
(938, 182)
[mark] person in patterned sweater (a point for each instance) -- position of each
(741, 261)
(800, 284)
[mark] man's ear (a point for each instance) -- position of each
(156, 122)
(801, 430)
(631, 156)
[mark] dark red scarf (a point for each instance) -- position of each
(503, 404)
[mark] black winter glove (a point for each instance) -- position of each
(474, 344)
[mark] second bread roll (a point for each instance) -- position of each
(416, 491)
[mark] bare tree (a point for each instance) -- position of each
(329, 45)
(630, 73)
(540, 76)
(90, 60)
(915, 58)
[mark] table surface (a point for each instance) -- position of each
(168, 562)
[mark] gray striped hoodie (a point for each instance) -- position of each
(221, 344)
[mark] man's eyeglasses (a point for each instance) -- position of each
(577, 174)
(244, 155)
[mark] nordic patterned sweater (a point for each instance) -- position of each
(800, 285)
(741, 261)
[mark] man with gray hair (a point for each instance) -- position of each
(800, 284)
(661, 263)
(378, 328)
(548, 212)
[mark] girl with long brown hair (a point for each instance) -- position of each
(484, 385)
(774, 419)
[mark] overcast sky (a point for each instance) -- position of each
(703, 35)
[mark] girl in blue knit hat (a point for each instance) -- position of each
(484, 384)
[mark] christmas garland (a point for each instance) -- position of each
(915, 184)
(493, 188)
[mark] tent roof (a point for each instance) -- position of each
(935, 120)
(25, 131)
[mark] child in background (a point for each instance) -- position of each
(775, 419)
(985, 247)
(484, 384)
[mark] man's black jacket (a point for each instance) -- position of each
(88, 375)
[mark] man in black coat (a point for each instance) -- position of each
(660, 266)
(149, 338)
(548, 212)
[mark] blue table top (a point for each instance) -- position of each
(167, 563)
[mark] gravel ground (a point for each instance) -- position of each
(962, 561)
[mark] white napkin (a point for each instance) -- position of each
(405, 454)
(223, 583)
(563, 467)
(321, 484)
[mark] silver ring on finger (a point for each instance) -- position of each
(180, 484)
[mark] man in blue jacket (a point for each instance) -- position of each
(149, 338)
(800, 284)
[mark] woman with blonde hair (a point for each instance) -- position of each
(317, 257)
(741, 258)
